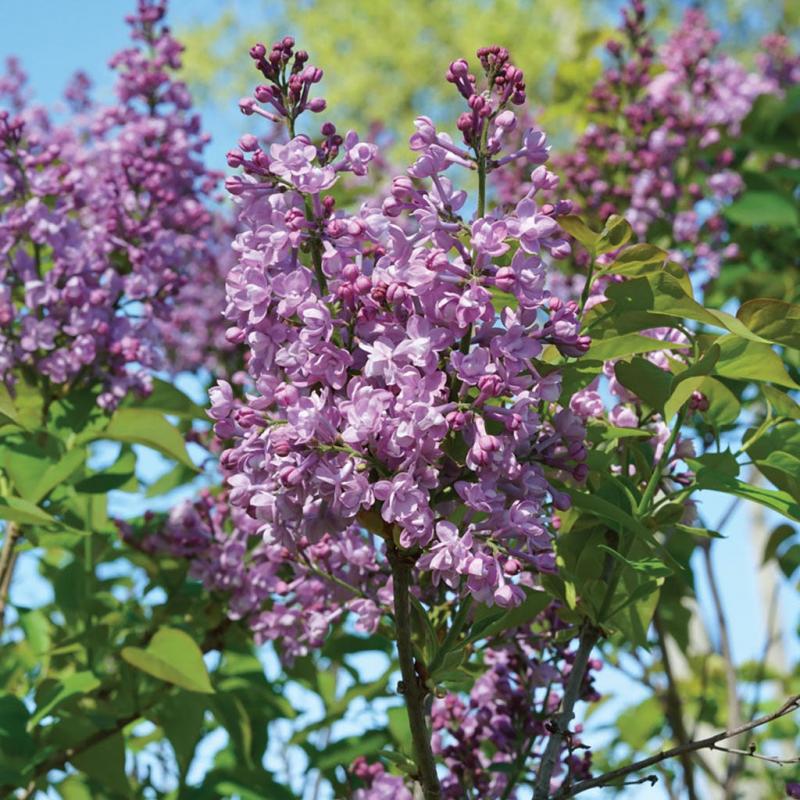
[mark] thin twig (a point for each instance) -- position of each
(8, 558)
(751, 753)
(792, 704)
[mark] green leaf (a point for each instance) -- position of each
(751, 361)
(662, 293)
(774, 320)
(167, 399)
(627, 345)
(57, 473)
(7, 407)
(76, 413)
(121, 475)
(610, 433)
(757, 208)
(778, 536)
(651, 567)
(78, 683)
(723, 405)
(616, 232)
(783, 405)
(612, 515)
(15, 741)
(400, 760)
(647, 381)
(724, 463)
(635, 256)
(423, 629)
(74, 788)
(789, 560)
(525, 613)
(147, 427)
(639, 724)
(399, 728)
(778, 501)
(25, 408)
(231, 713)
(777, 454)
(788, 467)
(172, 656)
(15, 509)
(579, 231)
(703, 533)
(105, 763)
(181, 717)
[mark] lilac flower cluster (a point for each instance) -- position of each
(393, 349)
(194, 334)
(377, 783)
(499, 731)
(101, 218)
(778, 61)
(292, 598)
(654, 151)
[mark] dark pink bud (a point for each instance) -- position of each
(350, 272)
(281, 449)
(459, 68)
(235, 158)
(511, 567)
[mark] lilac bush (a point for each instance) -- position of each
(455, 424)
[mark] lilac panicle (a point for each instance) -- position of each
(102, 219)
(393, 349)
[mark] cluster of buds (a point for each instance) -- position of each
(290, 80)
(505, 84)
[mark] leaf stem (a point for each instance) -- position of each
(587, 286)
(658, 470)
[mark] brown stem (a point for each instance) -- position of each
(8, 558)
(561, 721)
(792, 704)
(412, 689)
(674, 710)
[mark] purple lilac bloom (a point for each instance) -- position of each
(102, 220)
(389, 385)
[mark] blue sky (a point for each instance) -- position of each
(56, 37)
